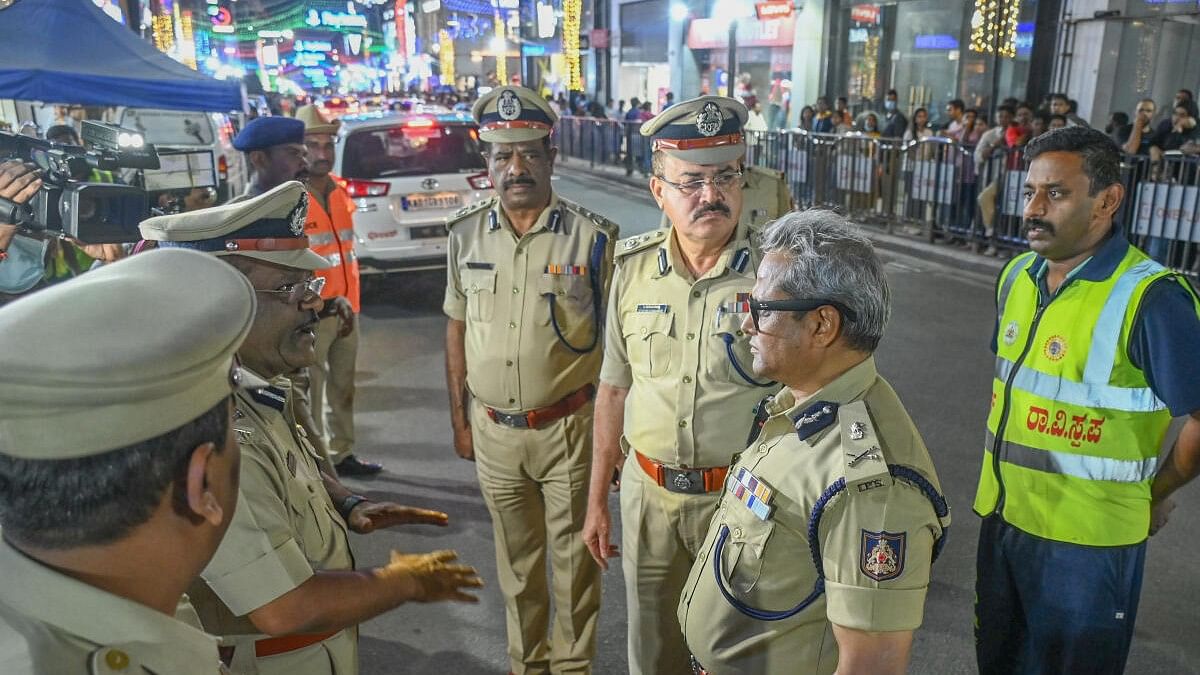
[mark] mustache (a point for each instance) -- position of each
(302, 175)
(712, 207)
(1031, 223)
(522, 180)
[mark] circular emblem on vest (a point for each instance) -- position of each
(509, 106)
(1010, 333)
(709, 119)
(1056, 348)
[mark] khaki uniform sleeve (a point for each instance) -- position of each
(258, 560)
(454, 305)
(615, 369)
(876, 548)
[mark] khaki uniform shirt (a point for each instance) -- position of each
(687, 405)
(284, 529)
(52, 624)
(499, 283)
(875, 537)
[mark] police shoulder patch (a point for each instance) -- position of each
(642, 242)
(593, 219)
(881, 554)
(469, 210)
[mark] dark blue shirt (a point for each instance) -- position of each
(1165, 343)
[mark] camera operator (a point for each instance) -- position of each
(21, 261)
(19, 182)
(70, 258)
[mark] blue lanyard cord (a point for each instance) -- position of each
(738, 367)
(904, 473)
(594, 272)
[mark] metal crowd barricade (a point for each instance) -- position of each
(937, 191)
(1164, 215)
(1001, 181)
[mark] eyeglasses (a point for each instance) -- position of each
(294, 294)
(795, 305)
(722, 182)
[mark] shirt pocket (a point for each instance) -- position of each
(650, 341)
(314, 526)
(744, 553)
(480, 288)
(573, 301)
(726, 343)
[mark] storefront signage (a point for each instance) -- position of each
(431, 6)
(308, 59)
(714, 33)
(936, 42)
(857, 35)
(335, 19)
(312, 46)
(865, 14)
(773, 10)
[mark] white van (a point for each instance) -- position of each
(194, 131)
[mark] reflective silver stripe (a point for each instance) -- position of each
(1107, 333)
(1078, 466)
(346, 235)
(334, 259)
(320, 239)
(351, 256)
(1082, 394)
(1019, 265)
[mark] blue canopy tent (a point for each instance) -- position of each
(69, 51)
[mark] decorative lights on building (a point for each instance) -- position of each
(446, 55)
(500, 47)
(187, 40)
(994, 27)
(572, 12)
(164, 32)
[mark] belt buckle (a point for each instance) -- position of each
(683, 481)
(518, 421)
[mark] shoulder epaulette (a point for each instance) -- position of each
(764, 171)
(631, 245)
(598, 221)
(863, 459)
(468, 210)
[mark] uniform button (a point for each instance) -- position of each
(691, 336)
(508, 363)
(740, 333)
(512, 401)
(474, 287)
(687, 379)
(116, 659)
(737, 532)
(645, 331)
(703, 555)
(762, 448)
(512, 324)
(516, 290)
(682, 424)
(695, 294)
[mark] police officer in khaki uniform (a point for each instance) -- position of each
(527, 276)
(818, 556)
(293, 609)
(676, 390)
(118, 468)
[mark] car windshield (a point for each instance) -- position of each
(410, 150)
(170, 128)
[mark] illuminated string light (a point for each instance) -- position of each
(994, 27)
(572, 13)
(446, 55)
(501, 50)
(164, 32)
(187, 40)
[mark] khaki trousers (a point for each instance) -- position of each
(661, 535)
(333, 375)
(535, 484)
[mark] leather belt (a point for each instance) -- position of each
(289, 643)
(683, 481)
(536, 419)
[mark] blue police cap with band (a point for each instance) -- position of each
(513, 115)
(704, 130)
(269, 227)
(264, 132)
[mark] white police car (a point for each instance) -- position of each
(407, 172)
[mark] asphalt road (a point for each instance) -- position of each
(935, 354)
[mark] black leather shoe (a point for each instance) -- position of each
(353, 466)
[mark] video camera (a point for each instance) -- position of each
(94, 213)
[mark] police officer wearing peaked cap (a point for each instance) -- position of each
(676, 387)
(267, 590)
(117, 462)
(275, 151)
(527, 276)
(818, 555)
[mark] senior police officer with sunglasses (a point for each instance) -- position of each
(676, 390)
(818, 556)
(293, 608)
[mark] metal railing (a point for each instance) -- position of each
(932, 188)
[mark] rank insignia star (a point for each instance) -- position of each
(858, 431)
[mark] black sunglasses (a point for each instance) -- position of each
(795, 305)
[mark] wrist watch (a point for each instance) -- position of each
(347, 504)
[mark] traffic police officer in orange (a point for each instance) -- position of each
(676, 392)
(330, 231)
(527, 274)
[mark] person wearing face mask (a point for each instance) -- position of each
(1095, 349)
(527, 274)
(292, 607)
(871, 125)
(676, 388)
(894, 121)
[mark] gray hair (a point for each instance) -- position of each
(830, 259)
